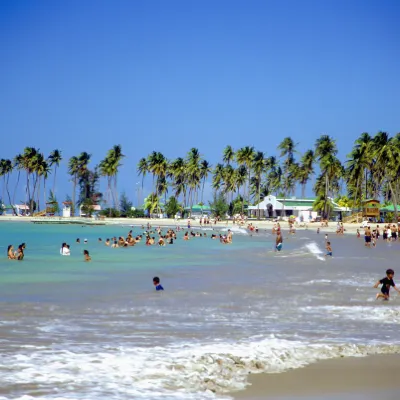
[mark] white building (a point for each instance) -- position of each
(272, 207)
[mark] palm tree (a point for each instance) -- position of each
(151, 203)
(287, 148)
(306, 169)
(6, 168)
(142, 169)
(109, 167)
(205, 170)
(228, 155)
(193, 169)
(229, 179)
(386, 152)
(73, 170)
(325, 151)
(55, 158)
(177, 172)
(240, 181)
(245, 156)
(84, 175)
(18, 165)
(259, 166)
(218, 177)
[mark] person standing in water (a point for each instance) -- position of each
(10, 252)
(86, 256)
(157, 284)
(278, 241)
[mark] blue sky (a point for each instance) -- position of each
(171, 75)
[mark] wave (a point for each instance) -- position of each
(315, 250)
(200, 371)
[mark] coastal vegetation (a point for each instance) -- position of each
(243, 176)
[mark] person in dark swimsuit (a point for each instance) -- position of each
(386, 283)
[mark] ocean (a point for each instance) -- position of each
(76, 330)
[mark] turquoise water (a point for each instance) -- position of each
(76, 330)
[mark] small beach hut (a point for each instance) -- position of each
(371, 208)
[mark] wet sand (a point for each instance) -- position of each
(354, 378)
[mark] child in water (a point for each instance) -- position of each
(386, 283)
(328, 249)
(157, 284)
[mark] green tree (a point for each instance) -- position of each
(73, 170)
(172, 207)
(306, 170)
(228, 155)
(219, 206)
(259, 167)
(54, 159)
(151, 203)
(245, 156)
(125, 205)
(6, 168)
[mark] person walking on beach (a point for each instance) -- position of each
(386, 283)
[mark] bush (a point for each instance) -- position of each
(135, 214)
(110, 212)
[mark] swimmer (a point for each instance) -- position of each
(86, 256)
(100, 240)
(157, 284)
(10, 252)
(107, 242)
(328, 249)
(78, 240)
(115, 244)
(386, 283)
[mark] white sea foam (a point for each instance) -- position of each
(186, 371)
(384, 315)
(236, 230)
(315, 250)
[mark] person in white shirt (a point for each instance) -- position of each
(65, 251)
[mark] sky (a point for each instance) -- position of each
(170, 75)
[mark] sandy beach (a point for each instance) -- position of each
(262, 224)
(345, 378)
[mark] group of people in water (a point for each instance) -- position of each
(389, 233)
(18, 254)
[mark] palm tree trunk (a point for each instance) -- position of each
(8, 194)
(303, 190)
(326, 195)
(16, 185)
(54, 182)
(394, 200)
(74, 196)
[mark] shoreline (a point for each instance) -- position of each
(331, 379)
(262, 224)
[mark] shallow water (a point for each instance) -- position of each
(75, 330)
